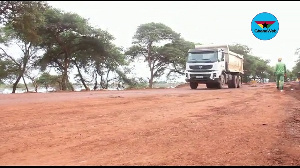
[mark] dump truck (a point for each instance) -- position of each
(214, 65)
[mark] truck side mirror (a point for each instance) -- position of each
(222, 58)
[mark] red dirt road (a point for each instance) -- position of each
(247, 126)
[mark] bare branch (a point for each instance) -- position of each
(142, 51)
(10, 57)
(22, 49)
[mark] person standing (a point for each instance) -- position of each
(280, 73)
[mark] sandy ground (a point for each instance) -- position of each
(246, 126)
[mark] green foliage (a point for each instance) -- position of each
(124, 78)
(24, 17)
(21, 20)
(48, 80)
(19, 65)
(296, 68)
(61, 34)
(290, 75)
(177, 52)
(253, 65)
(240, 49)
(147, 43)
(138, 83)
(69, 40)
(7, 70)
(100, 57)
(150, 33)
(44, 80)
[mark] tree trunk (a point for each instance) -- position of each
(59, 85)
(101, 82)
(21, 74)
(15, 84)
(151, 78)
(64, 83)
(106, 85)
(64, 79)
(96, 85)
(81, 78)
(25, 83)
(69, 85)
(35, 87)
(151, 83)
(149, 64)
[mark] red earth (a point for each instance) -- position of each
(246, 126)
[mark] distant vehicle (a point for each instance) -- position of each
(215, 66)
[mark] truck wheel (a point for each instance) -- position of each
(221, 82)
(193, 85)
(230, 84)
(239, 82)
(235, 81)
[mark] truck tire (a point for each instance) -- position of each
(235, 81)
(193, 85)
(239, 82)
(221, 82)
(230, 84)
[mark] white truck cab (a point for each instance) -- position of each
(213, 65)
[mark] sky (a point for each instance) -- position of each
(206, 22)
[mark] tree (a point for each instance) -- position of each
(240, 49)
(270, 71)
(21, 20)
(24, 17)
(248, 59)
(46, 80)
(28, 53)
(147, 43)
(65, 37)
(33, 80)
(7, 70)
(253, 65)
(110, 65)
(95, 62)
(296, 68)
(290, 75)
(177, 52)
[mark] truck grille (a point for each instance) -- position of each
(201, 66)
(200, 70)
(205, 76)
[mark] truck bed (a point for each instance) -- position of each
(234, 62)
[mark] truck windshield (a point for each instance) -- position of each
(204, 56)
